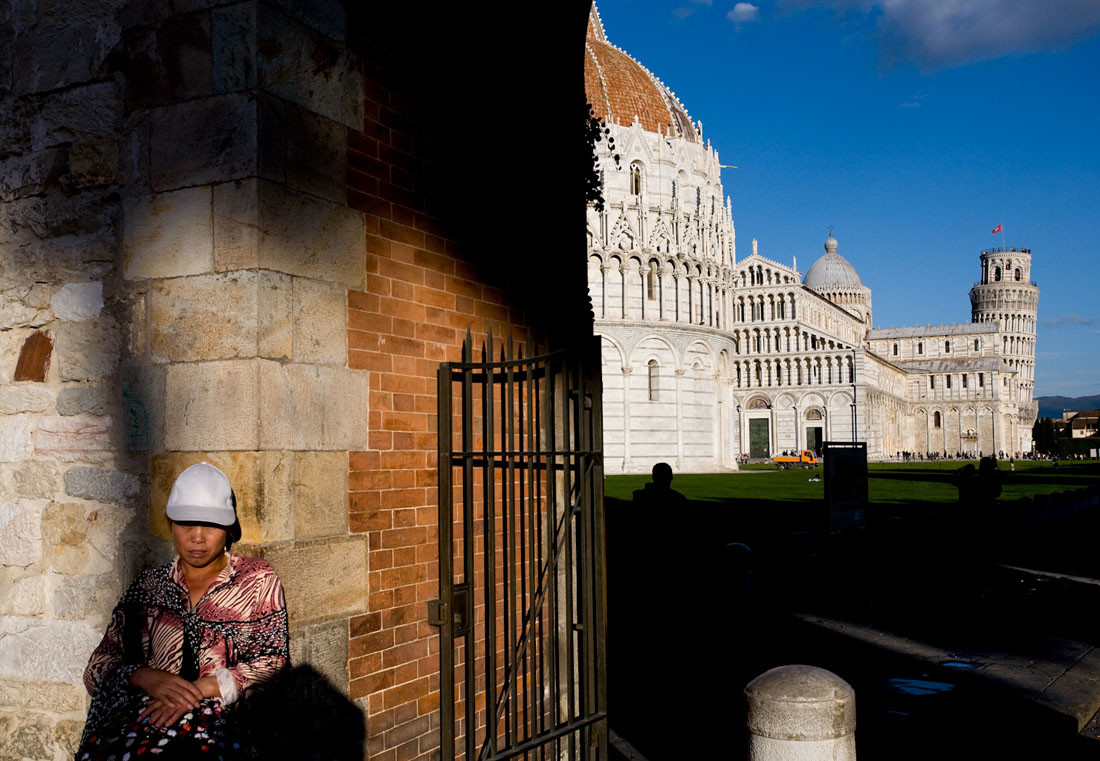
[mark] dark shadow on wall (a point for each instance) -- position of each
(303, 716)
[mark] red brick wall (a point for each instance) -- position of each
(421, 297)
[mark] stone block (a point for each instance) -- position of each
(261, 224)
(236, 225)
(274, 313)
(316, 155)
(324, 579)
(15, 438)
(81, 401)
(261, 481)
(87, 351)
(325, 647)
(47, 651)
(107, 534)
(27, 597)
(203, 317)
(64, 534)
(142, 407)
(55, 215)
(13, 311)
(168, 235)
(77, 437)
(320, 323)
(217, 139)
(100, 484)
(212, 406)
(169, 62)
(308, 68)
(81, 115)
(21, 532)
(15, 399)
(139, 329)
(68, 52)
(34, 694)
(30, 174)
(92, 164)
(320, 494)
(78, 302)
(233, 39)
(36, 480)
(320, 407)
(84, 597)
(27, 734)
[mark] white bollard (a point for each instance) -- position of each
(801, 713)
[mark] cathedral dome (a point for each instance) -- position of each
(620, 89)
(832, 270)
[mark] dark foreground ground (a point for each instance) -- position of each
(952, 654)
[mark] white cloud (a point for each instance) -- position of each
(1072, 319)
(944, 33)
(915, 100)
(743, 12)
(687, 10)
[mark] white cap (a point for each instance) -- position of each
(202, 494)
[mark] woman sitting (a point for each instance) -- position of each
(188, 639)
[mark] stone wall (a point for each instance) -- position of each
(175, 258)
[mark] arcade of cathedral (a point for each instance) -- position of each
(707, 358)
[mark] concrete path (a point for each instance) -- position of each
(1058, 674)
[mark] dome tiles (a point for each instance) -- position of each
(832, 270)
(620, 89)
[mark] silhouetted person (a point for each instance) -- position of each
(659, 493)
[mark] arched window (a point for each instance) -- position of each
(981, 380)
(932, 382)
(895, 350)
(966, 384)
(946, 347)
(1019, 274)
(920, 348)
(635, 179)
(936, 421)
(975, 344)
(997, 274)
(654, 380)
(948, 381)
(651, 282)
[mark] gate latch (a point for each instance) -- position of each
(461, 616)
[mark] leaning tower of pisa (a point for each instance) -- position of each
(1006, 296)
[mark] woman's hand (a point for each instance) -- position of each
(172, 695)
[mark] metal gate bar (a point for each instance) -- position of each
(530, 429)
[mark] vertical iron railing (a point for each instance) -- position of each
(521, 588)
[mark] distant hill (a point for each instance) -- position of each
(1052, 406)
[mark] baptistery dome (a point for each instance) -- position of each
(832, 270)
(620, 89)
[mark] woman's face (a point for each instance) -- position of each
(198, 544)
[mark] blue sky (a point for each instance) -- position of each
(913, 128)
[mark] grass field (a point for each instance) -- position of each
(890, 483)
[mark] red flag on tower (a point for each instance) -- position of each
(997, 229)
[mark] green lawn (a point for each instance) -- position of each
(890, 483)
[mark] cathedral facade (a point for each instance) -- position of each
(709, 359)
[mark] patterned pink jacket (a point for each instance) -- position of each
(238, 629)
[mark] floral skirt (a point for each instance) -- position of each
(207, 731)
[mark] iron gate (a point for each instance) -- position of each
(521, 552)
